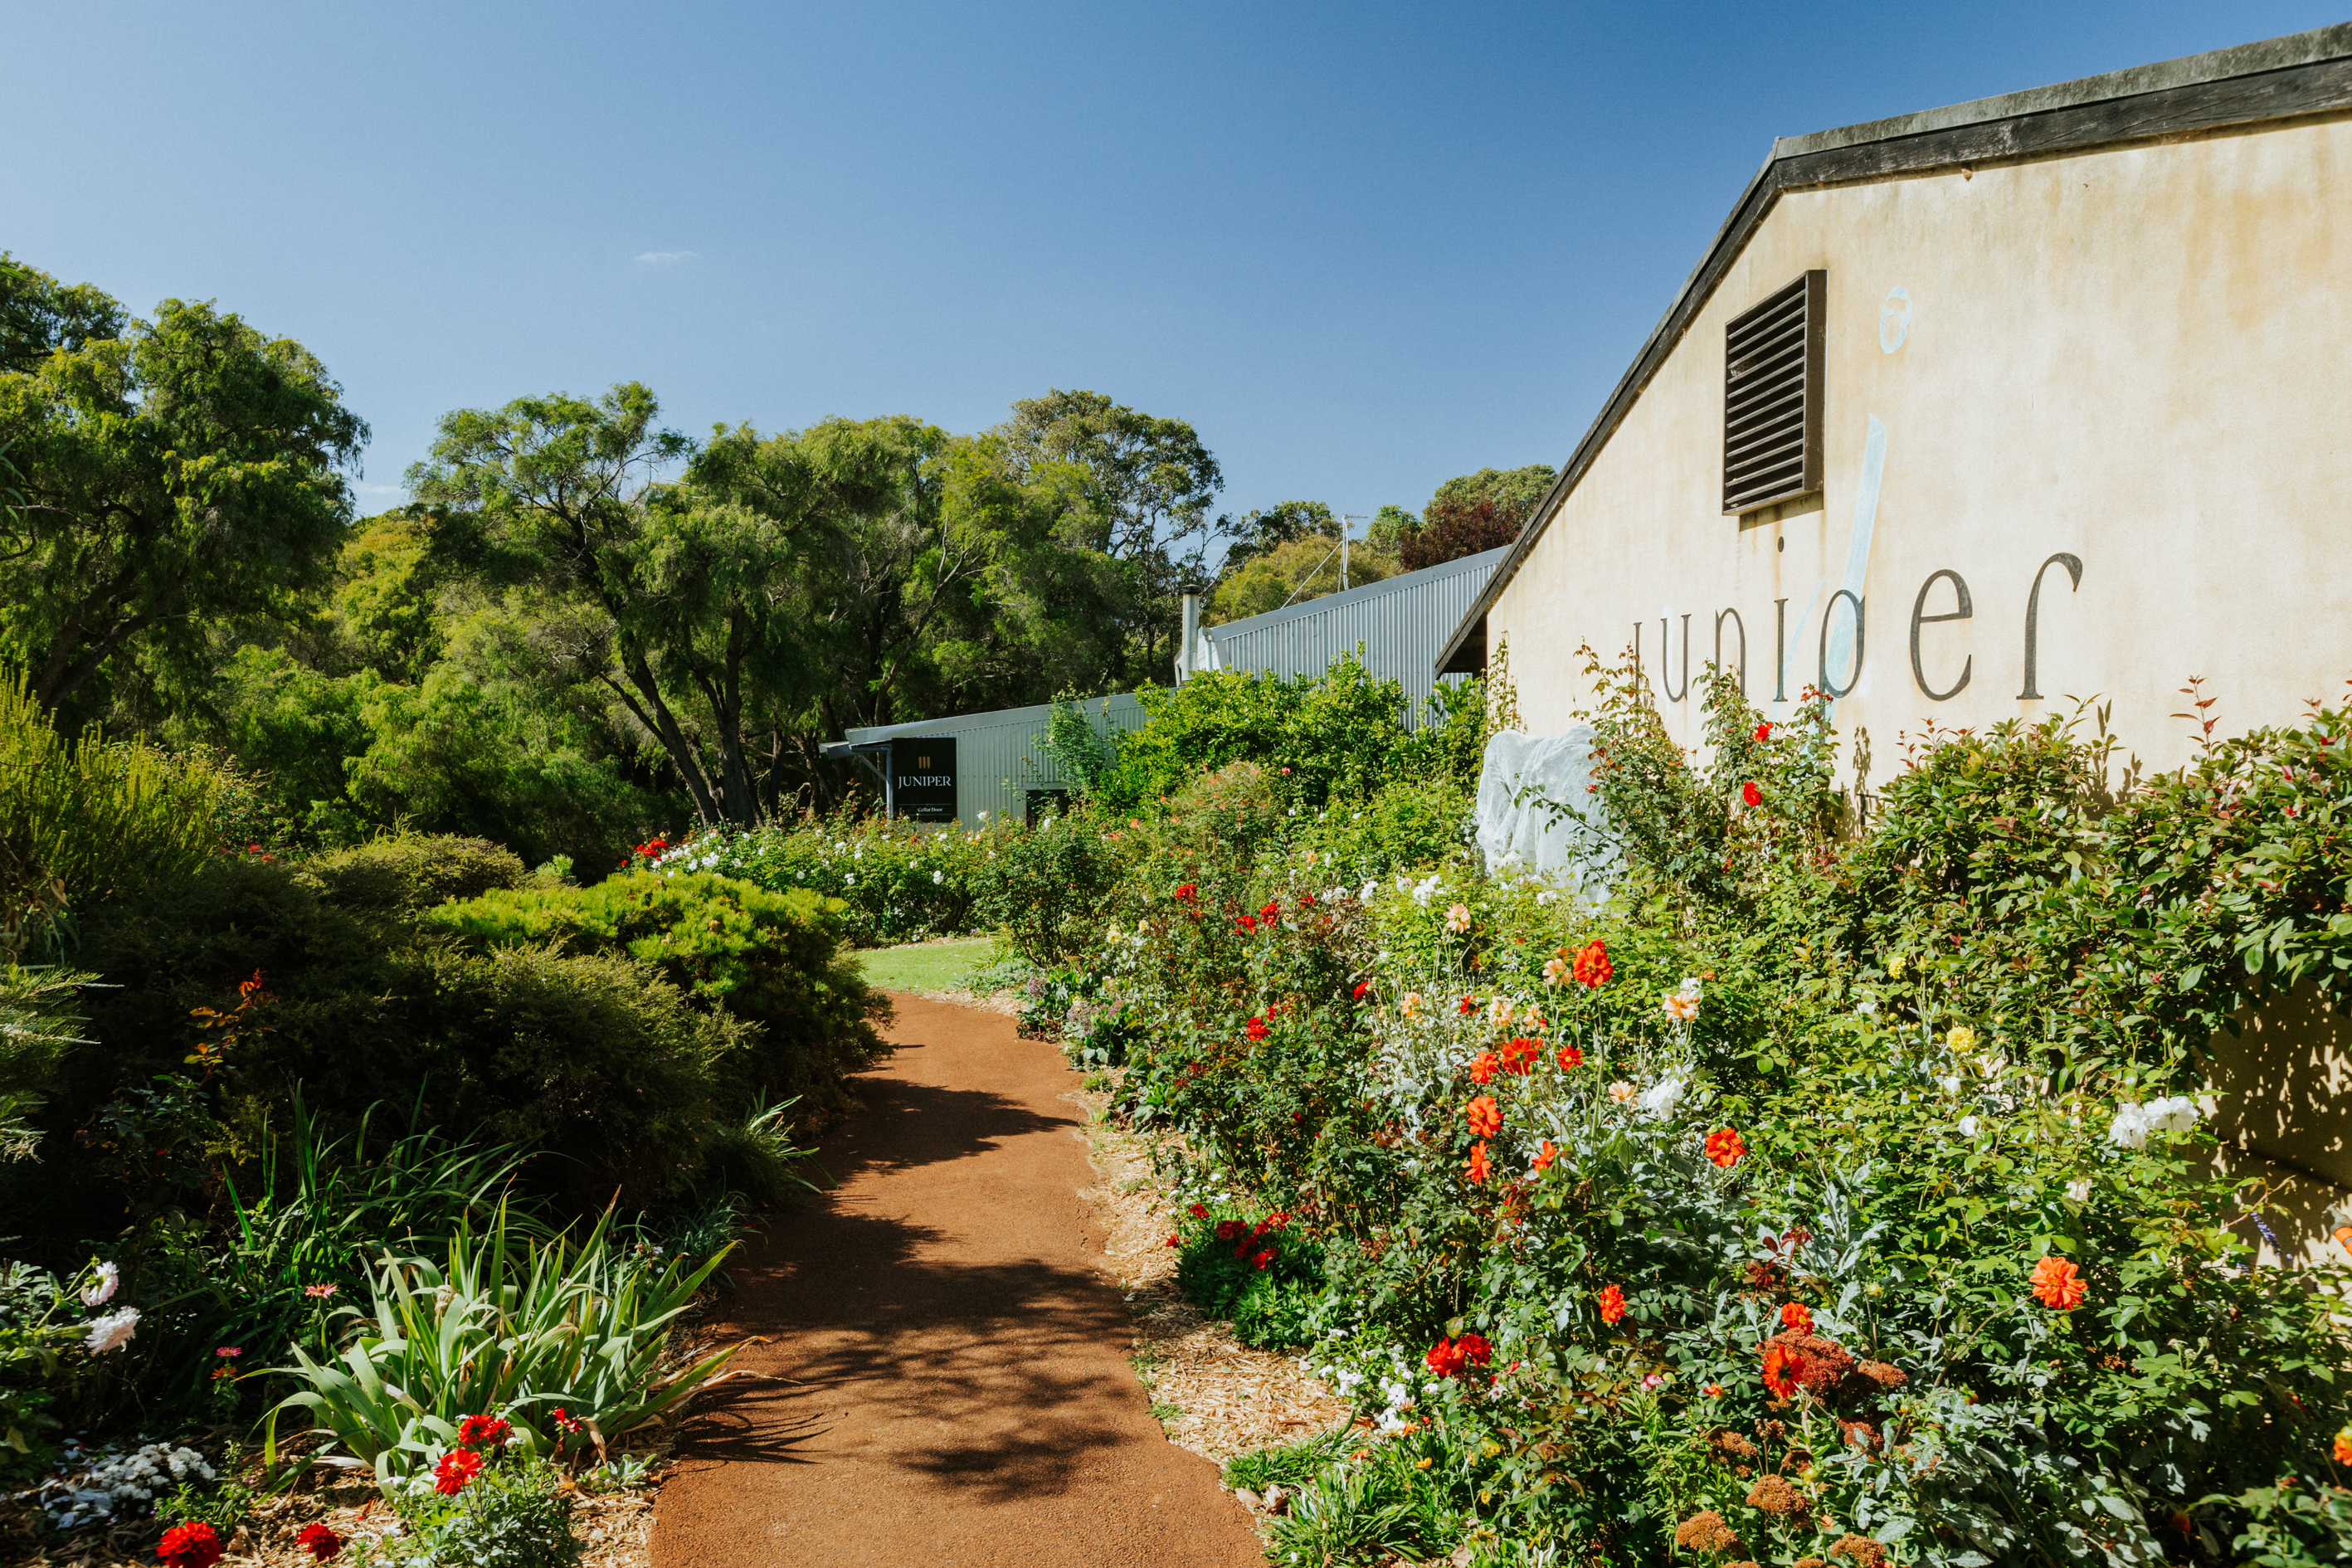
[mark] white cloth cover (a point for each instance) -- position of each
(1516, 834)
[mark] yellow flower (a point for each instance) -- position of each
(1962, 1039)
(1895, 967)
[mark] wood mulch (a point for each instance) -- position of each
(1214, 1395)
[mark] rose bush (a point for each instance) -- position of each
(1844, 1192)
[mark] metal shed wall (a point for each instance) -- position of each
(1402, 624)
(1000, 756)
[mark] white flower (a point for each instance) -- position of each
(982, 815)
(2132, 1124)
(1372, 886)
(1969, 1126)
(1546, 897)
(1113, 930)
(1867, 1008)
(1950, 1085)
(2079, 1189)
(939, 877)
(1424, 890)
(1622, 1093)
(101, 1291)
(1663, 1097)
(1502, 1012)
(112, 1330)
(849, 881)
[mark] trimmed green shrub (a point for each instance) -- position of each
(407, 873)
(769, 960)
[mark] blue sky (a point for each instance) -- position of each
(1362, 249)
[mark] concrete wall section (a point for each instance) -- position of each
(2139, 356)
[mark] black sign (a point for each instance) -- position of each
(923, 778)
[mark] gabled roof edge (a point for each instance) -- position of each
(2276, 78)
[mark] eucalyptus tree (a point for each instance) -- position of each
(1148, 482)
(555, 493)
(168, 474)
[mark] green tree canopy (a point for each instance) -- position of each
(1146, 482)
(187, 470)
(1293, 574)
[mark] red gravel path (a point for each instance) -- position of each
(961, 1393)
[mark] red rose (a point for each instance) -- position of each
(1750, 794)
(1229, 1229)
(1198, 1212)
(1263, 1258)
(1272, 913)
(1764, 731)
(1613, 1303)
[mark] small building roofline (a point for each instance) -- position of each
(2277, 78)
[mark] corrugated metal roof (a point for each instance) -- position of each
(1401, 623)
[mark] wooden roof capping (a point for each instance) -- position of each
(2277, 78)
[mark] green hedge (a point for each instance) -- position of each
(770, 960)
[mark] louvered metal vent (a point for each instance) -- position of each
(1772, 398)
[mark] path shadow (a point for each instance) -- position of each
(989, 1378)
(905, 1125)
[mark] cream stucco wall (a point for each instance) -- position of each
(2139, 355)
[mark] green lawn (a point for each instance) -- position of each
(941, 965)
